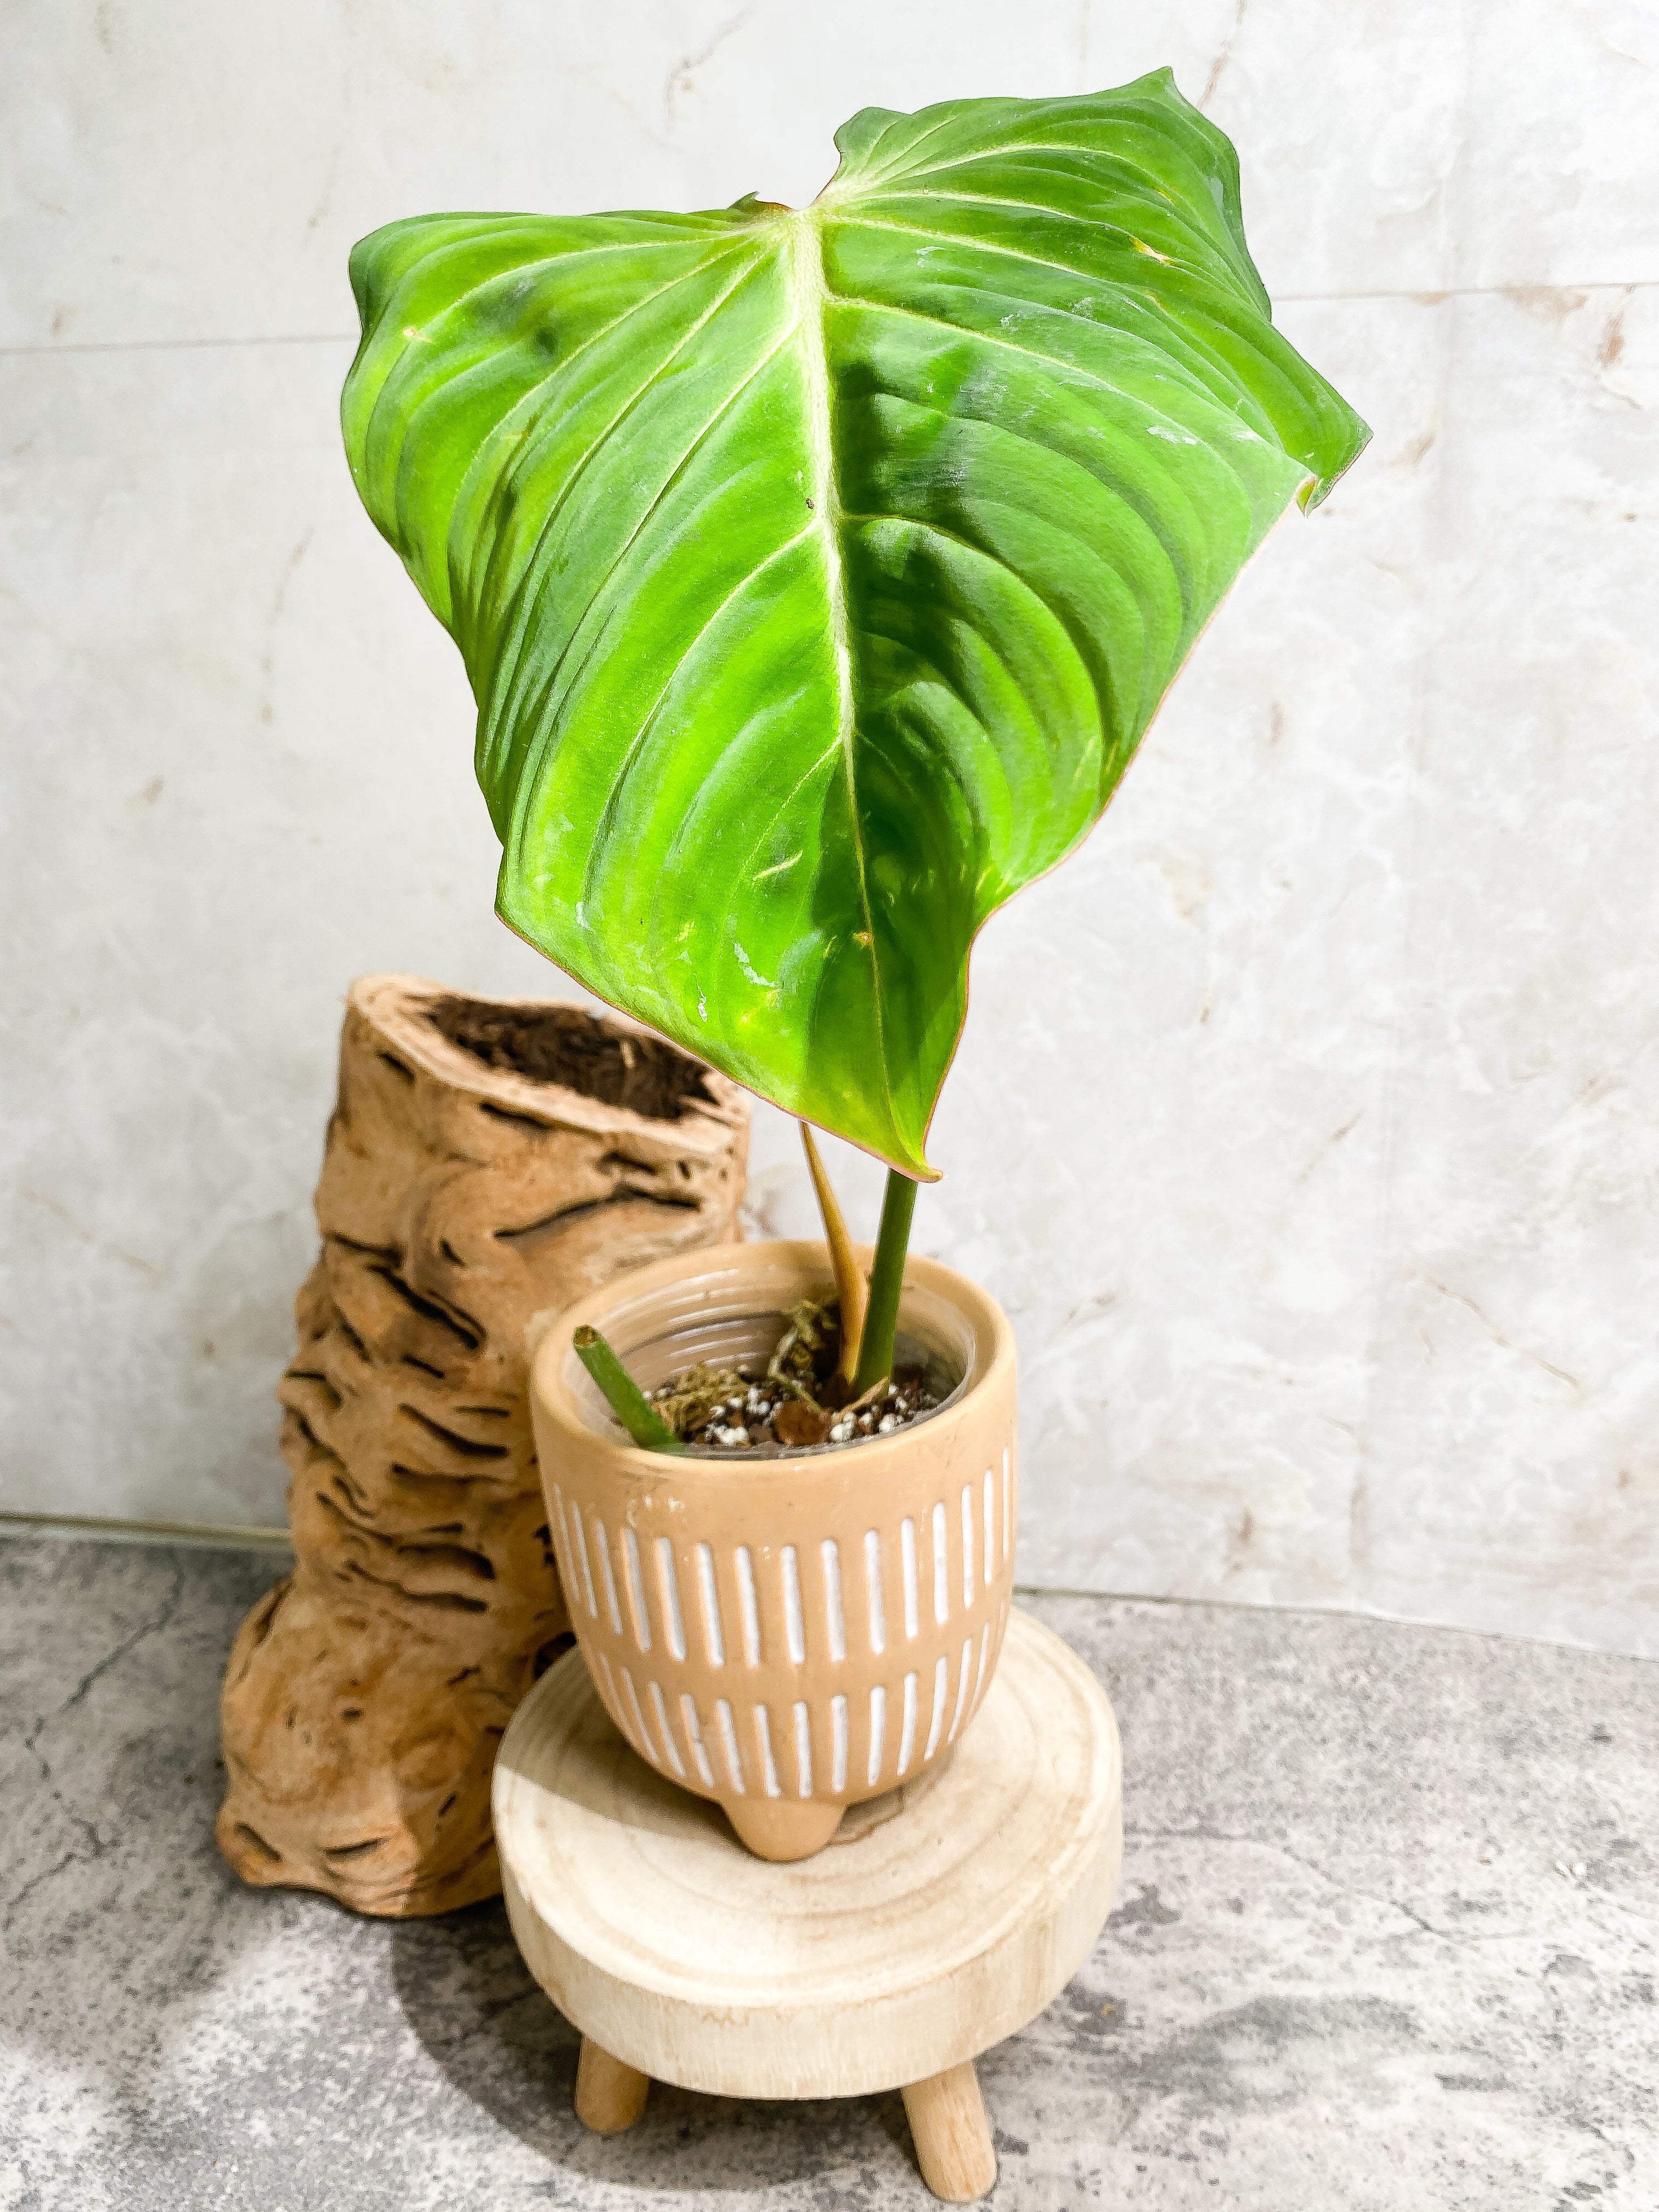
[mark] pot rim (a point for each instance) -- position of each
(799, 1260)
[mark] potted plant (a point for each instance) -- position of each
(818, 572)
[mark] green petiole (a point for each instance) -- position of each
(886, 1282)
(622, 1394)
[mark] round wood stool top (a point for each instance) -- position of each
(943, 1916)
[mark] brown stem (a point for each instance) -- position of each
(850, 1288)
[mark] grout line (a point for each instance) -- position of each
(203, 1534)
(1428, 296)
(177, 345)
(1406, 829)
(1431, 295)
(1416, 743)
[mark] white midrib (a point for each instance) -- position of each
(808, 295)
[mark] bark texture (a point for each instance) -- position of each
(487, 1164)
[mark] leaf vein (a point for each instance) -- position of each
(523, 592)
(546, 737)
(683, 655)
(811, 292)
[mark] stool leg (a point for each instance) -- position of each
(954, 2150)
(610, 2096)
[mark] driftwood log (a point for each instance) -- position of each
(487, 1164)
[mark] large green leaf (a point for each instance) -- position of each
(818, 572)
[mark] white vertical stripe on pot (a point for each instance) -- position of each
(1007, 1506)
(671, 1598)
(746, 1599)
(713, 1633)
(962, 1688)
(694, 1736)
(984, 1647)
(611, 1604)
(794, 1627)
(990, 1531)
(612, 1699)
(872, 1584)
(834, 1615)
(658, 1705)
(579, 1546)
(877, 1734)
(567, 1560)
(803, 1747)
(768, 1765)
(635, 1582)
(907, 1730)
(941, 1564)
(558, 1529)
(941, 1691)
(837, 1744)
(728, 1729)
(907, 1551)
(967, 1544)
(643, 1742)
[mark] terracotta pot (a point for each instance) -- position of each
(788, 1635)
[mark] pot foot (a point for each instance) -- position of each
(774, 1830)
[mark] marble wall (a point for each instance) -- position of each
(1305, 1121)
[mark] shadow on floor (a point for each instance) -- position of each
(500, 2040)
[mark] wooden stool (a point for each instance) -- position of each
(944, 1917)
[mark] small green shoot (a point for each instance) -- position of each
(623, 1394)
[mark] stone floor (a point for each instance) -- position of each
(1388, 1937)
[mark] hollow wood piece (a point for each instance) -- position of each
(952, 2136)
(782, 1832)
(609, 2094)
(487, 1161)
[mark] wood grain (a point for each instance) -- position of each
(610, 2096)
(954, 2149)
(943, 1916)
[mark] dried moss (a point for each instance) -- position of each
(696, 1394)
(809, 1349)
